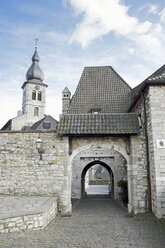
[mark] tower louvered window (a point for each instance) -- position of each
(39, 96)
(34, 95)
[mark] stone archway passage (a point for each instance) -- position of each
(112, 160)
(87, 167)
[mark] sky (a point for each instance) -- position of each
(128, 35)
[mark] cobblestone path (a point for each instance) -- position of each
(95, 223)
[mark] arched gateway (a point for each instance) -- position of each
(84, 174)
(112, 160)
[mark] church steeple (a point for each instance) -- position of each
(34, 90)
(35, 74)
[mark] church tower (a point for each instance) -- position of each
(34, 98)
(34, 90)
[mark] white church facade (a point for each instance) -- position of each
(105, 122)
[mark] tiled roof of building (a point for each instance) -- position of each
(158, 77)
(135, 92)
(96, 124)
(100, 86)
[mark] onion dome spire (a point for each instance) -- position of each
(35, 74)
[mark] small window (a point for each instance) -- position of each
(46, 124)
(34, 95)
(36, 111)
(39, 96)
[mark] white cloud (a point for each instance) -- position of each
(150, 45)
(148, 9)
(162, 16)
(131, 50)
(64, 2)
(100, 17)
(153, 9)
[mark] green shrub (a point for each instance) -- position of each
(122, 183)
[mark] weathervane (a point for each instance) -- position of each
(36, 42)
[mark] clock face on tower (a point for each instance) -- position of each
(37, 87)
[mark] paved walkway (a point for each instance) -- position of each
(95, 223)
(98, 189)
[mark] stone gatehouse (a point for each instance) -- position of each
(105, 122)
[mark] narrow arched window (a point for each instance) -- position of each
(39, 96)
(33, 95)
(36, 111)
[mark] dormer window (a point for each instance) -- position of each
(95, 110)
(39, 96)
(46, 124)
(34, 95)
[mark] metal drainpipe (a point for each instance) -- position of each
(147, 154)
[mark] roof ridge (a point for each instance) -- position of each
(157, 71)
(91, 114)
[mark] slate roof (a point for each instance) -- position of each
(96, 124)
(46, 123)
(7, 125)
(100, 86)
(158, 77)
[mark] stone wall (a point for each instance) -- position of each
(22, 171)
(28, 220)
(136, 163)
(139, 165)
(155, 112)
(156, 131)
(115, 142)
(111, 158)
